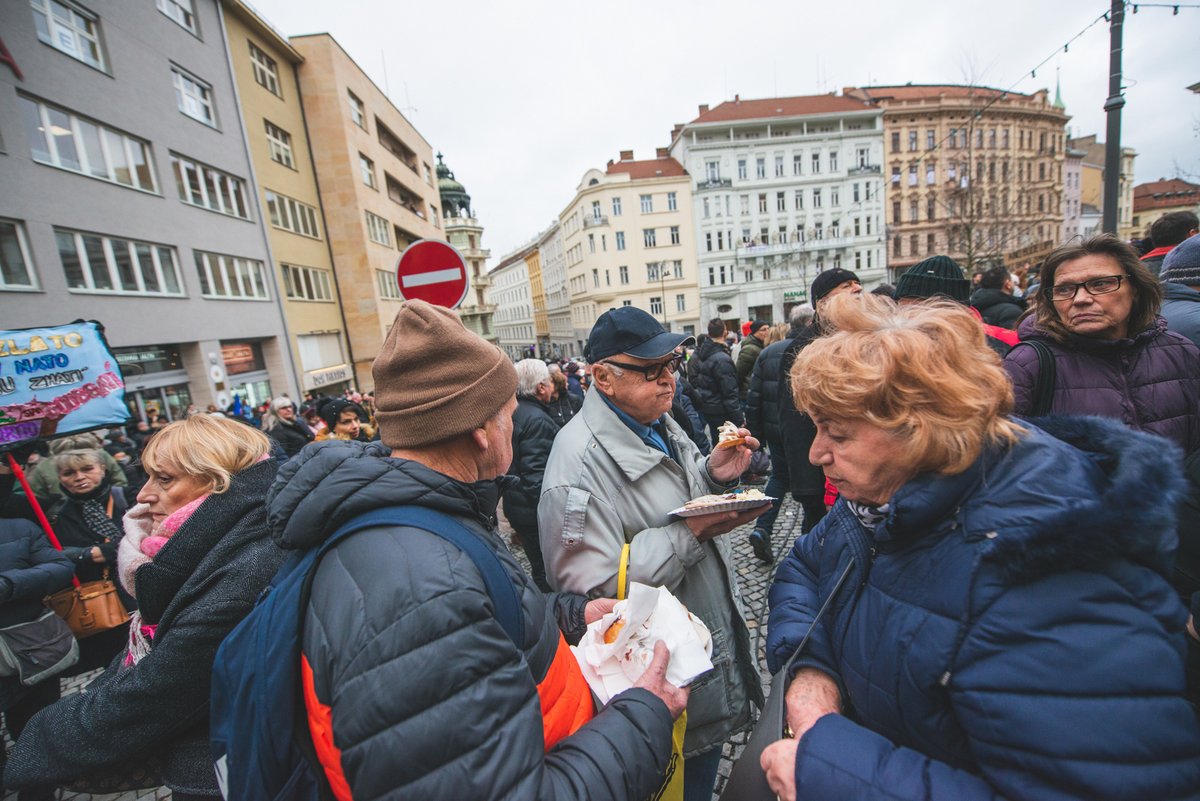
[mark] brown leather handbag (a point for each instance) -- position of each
(90, 608)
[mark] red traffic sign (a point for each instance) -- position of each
(434, 272)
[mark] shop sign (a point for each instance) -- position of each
(794, 294)
(240, 357)
(328, 376)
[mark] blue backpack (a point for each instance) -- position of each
(259, 734)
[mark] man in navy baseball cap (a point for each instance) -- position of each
(633, 332)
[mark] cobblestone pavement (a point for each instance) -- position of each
(755, 579)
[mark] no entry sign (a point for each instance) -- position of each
(434, 272)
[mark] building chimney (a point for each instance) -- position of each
(662, 153)
(610, 163)
(737, 98)
(626, 155)
(703, 108)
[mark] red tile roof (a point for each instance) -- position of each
(929, 91)
(777, 107)
(651, 168)
(1165, 194)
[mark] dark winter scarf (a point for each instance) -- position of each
(869, 516)
(95, 512)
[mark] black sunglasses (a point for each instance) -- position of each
(651, 372)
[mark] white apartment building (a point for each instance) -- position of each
(508, 292)
(558, 299)
(1072, 193)
(628, 241)
(783, 188)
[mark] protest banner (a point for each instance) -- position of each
(57, 381)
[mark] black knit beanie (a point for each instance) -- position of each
(829, 280)
(937, 275)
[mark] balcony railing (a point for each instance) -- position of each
(865, 169)
(715, 183)
(785, 248)
(593, 221)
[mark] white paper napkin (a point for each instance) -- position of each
(650, 614)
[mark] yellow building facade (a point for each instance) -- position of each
(375, 173)
(264, 67)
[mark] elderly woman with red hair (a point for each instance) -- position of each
(1006, 627)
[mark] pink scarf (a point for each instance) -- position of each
(141, 543)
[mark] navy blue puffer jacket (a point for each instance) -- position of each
(1007, 632)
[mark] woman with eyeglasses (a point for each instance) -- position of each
(1097, 313)
(1113, 356)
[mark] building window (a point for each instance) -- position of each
(591, 243)
(779, 165)
(896, 245)
(896, 211)
(209, 188)
(656, 305)
(912, 245)
(231, 277)
(760, 166)
(912, 141)
(292, 215)
(681, 303)
(895, 176)
(15, 264)
(265, 72)
(180, 11)
(677, 266)
(307, 283)
(193, 97)
(833, 161)
(741, 169)
(616, 204)
(895, 141)
(366, 168)
(930, 243)
(652, 271)
(94, 263)
(835, 198)
(358, 112)
(912, 211)
(648, 238)
(816, 198)
(708, 242)
(706, 206)
(798, 199)
(62, 139)
(674, 234)
(816, 162)
(647, 203)
(781, 201)
(623, 274)
(912, 174)
(620, 240)
(862, 156)
(712, 171)
(279, 144)
(672, 205)
(797, 164)
(1004, 138)
(595, 277)
(377, 229)
(931, 209)
(65, 27)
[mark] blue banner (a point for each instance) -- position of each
(57, 381)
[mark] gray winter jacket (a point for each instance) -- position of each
(1181, 307)
(429, 698)
(604, 487)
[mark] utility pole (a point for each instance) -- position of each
(1112, 107)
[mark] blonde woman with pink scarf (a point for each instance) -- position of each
(196, 554)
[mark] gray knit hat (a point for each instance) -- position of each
(1182, 264)
(937, 275)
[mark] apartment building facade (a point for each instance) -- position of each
(136, 204)
(972, 172)
(628, 240)
(1092, 173)
(1154, 199)
(783, 188)
(375, 173)
(465, 233)
(510, 293)
(264, 66)
(558, 297)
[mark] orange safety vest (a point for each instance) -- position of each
(564, 695)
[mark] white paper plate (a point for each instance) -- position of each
(723, 506)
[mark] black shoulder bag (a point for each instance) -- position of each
(747, 781)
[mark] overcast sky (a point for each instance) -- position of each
(523, 98)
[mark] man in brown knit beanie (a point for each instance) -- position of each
(415, 684)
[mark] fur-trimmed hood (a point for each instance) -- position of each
(1073, 493)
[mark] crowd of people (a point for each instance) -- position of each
(993, 589)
